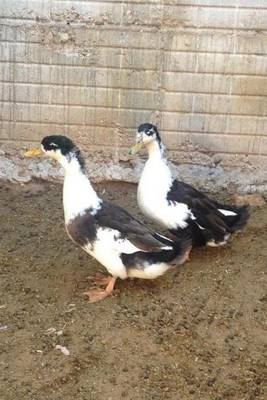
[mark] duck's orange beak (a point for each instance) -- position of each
(33, 153)
(135, 148)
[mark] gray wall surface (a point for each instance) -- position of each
(95, 70)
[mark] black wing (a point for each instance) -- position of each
(115, 217)
(202, 207)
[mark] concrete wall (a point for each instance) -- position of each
(95, 70)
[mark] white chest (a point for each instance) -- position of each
(155, 182)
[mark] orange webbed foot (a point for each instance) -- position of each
(96, 295)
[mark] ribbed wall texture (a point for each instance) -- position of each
(95, 70)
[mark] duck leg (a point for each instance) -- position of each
(95, 295)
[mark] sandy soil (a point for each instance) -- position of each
(198, 333)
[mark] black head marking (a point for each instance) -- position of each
(65, 145)
(149, 130)
(54, 142)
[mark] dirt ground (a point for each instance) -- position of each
(198, 333)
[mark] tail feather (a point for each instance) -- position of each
(234, 222)
(240, 220)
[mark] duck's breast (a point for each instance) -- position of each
(155, 182)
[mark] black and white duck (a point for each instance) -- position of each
(121, 243)
(176, 205)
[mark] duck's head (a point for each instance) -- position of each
(145, 135)
(60, 148)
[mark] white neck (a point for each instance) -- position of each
(156, 173)
(155, 182)
(78, 193)
(155, 150)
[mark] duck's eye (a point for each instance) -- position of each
(150, 132)
(54, 145)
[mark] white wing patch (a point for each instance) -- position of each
(201, 227)
(224, 212)
(227, 213)
(165, 247)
